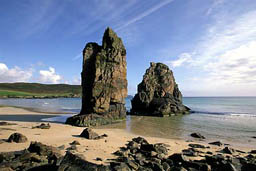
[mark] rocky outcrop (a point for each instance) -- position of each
(37, 157)
(158, 94)
(104, 83)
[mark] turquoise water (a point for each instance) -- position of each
(230, 119)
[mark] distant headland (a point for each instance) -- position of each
(39, 91)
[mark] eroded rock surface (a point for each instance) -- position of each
(104, 83)
(158, 94)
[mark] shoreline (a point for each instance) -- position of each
(14, 110)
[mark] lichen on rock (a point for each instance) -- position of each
(158, 94)
(104, 83)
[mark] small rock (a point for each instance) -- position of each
(75, 143)
(17, 137)
(197, 135)
(72, 147)
(228, 150)
(89, 134)
(253, 152)
(218, 143)
(6, 123)
(140, 140)
(196, 146)
(98, 159)
(62, 147)
(254, 137)
(43, 126)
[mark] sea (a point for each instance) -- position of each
(231, 120)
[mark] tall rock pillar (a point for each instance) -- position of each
(104, 83)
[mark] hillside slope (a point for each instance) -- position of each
(36, 90)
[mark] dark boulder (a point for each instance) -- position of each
(75, 143)
(196, 146)
(197, 135)
(18, 138)
(228, 150)
(217, 143)
(88, 133)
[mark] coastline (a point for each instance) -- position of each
(61, 134)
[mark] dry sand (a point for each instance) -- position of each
(61, 134)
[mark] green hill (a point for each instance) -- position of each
(36, 90)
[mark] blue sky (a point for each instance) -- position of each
(209, 44)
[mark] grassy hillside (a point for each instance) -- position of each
(35, 90)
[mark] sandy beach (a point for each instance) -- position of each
(61, 134)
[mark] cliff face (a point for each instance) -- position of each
(104, 83)
(158, 94)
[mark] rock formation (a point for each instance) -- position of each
(104, 84)
(158, 94)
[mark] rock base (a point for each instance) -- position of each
(89, 120)
(117, 112)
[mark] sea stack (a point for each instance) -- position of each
(104, 83)
(158, 94)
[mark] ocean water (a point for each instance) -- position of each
(229, 119)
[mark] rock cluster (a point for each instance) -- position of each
(42, 126)
(37, 157)
(138, 154)
(158, 94)
(104, 83)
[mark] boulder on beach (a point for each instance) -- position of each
(104, 83)
(197, 135)
(88, 133)
(158, 94)
(17, 137)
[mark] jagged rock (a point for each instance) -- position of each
(104, 83)
(73, 162)
(140, 140)
(88, 133)
(158, 94)
(17, 137)
(197, 135)
(42, 126)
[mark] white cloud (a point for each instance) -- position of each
(15, 74)
(235, 66)
(183, 58)
(214, 5)
(144, 14)
(49, 76)
(226, 55)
